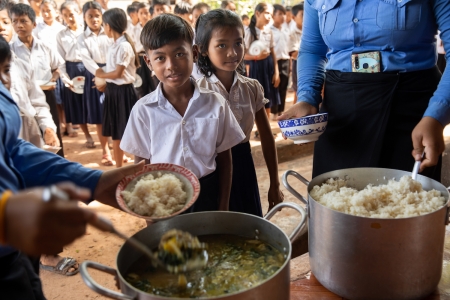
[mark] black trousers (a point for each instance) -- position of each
(371, 118)
(19, 278)
(283, 69)
(51, 101)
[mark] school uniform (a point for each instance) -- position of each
(31, 101)
(245, 99)
(281, 48)
(93, 50)
(263, 70)
(296, 39)
(148, 81)
(120, 95)
(158, 133)
(42, 59)
(74, 107)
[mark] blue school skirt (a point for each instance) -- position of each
(59, 92)
(244, 196)
(74, 107)
(93, 99)
(263, 70)
(119, 100)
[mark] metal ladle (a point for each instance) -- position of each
(416, 168)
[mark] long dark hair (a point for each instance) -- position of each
(116, 18)
(90, 5)
(206, 24)
(5, 50)
(261, 7)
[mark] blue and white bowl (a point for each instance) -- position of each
(306, 129)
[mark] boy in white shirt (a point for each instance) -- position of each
(133, 21)
(179, 122)
(296, 38)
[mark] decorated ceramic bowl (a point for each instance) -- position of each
(306, 129)
(78, 84)
(191, 186)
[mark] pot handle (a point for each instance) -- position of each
(295, 206)
(289, 187)
(97, 287)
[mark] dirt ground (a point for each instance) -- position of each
(103, 247)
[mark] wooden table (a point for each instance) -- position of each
(310, 288)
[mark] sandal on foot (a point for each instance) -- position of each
(90, 144)
(72, 133)
(107, 160)
(62, 267)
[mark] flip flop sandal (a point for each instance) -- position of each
(62, 267)
(107, 160)
(90, 144)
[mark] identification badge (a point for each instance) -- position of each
(368, 62)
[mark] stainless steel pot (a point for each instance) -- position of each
(206, 223)
(365, 258)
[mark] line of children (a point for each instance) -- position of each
(180, 122)
(263, 67)
(74, 107)
(120, 74)
(43, 59)
(220, 42)
(93, 45)
(296, 37)
(281, 39)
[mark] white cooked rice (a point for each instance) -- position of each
(156, 196)
(397, 199)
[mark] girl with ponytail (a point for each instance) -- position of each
(263, 67)
(120, 95)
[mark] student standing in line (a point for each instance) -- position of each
(281, 41)
(120, 74)
(93, 44)
(74, 106)
(133, 21)
(296, 39)
(160, 7)
(180, 122)
(220, 42)
(43, 59)
(184, 10)
(263, 67)
(148, 84)
(36, 6)
(197, 10)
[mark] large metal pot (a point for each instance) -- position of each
(365, 258)
(206, 223)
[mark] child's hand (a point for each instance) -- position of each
(50, 137)
(101, 88)
(275, 196)
(276, 80)
(99, 73)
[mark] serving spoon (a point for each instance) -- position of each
(416, 168)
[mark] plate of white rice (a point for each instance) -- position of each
(158, 192)
(397, 199)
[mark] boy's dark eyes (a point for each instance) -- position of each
(179, 54)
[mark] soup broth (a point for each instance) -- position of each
(235, 264)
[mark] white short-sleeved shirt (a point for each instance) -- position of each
(28, 95)
(246, 97)
(121, 53)
(264, 36)
(156, 131)
(281, 42)
(130, 29)
(137, 38)
(93, 49)
(42, 58)
(296, 39)
(48, 33)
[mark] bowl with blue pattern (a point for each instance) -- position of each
(306, 129)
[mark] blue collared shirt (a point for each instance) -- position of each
(402, 30)
(22, 165)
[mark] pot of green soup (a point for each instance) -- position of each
(248, 260)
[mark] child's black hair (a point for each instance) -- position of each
(206, 24)
(21, 9)
(157, 2)
(132, 8)
(68, 4)
(260, 7)
(142, 5)
(244, 17)
(90, 5)
(182, 8)
(117, 20)
(288, 8)
(7, 4)
(51, 2)
(200, 6)
(5, 50)
(225, 3)
(297, 8)
(165, 29)
(278, 7)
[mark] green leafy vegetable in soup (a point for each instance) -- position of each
(235, 264)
